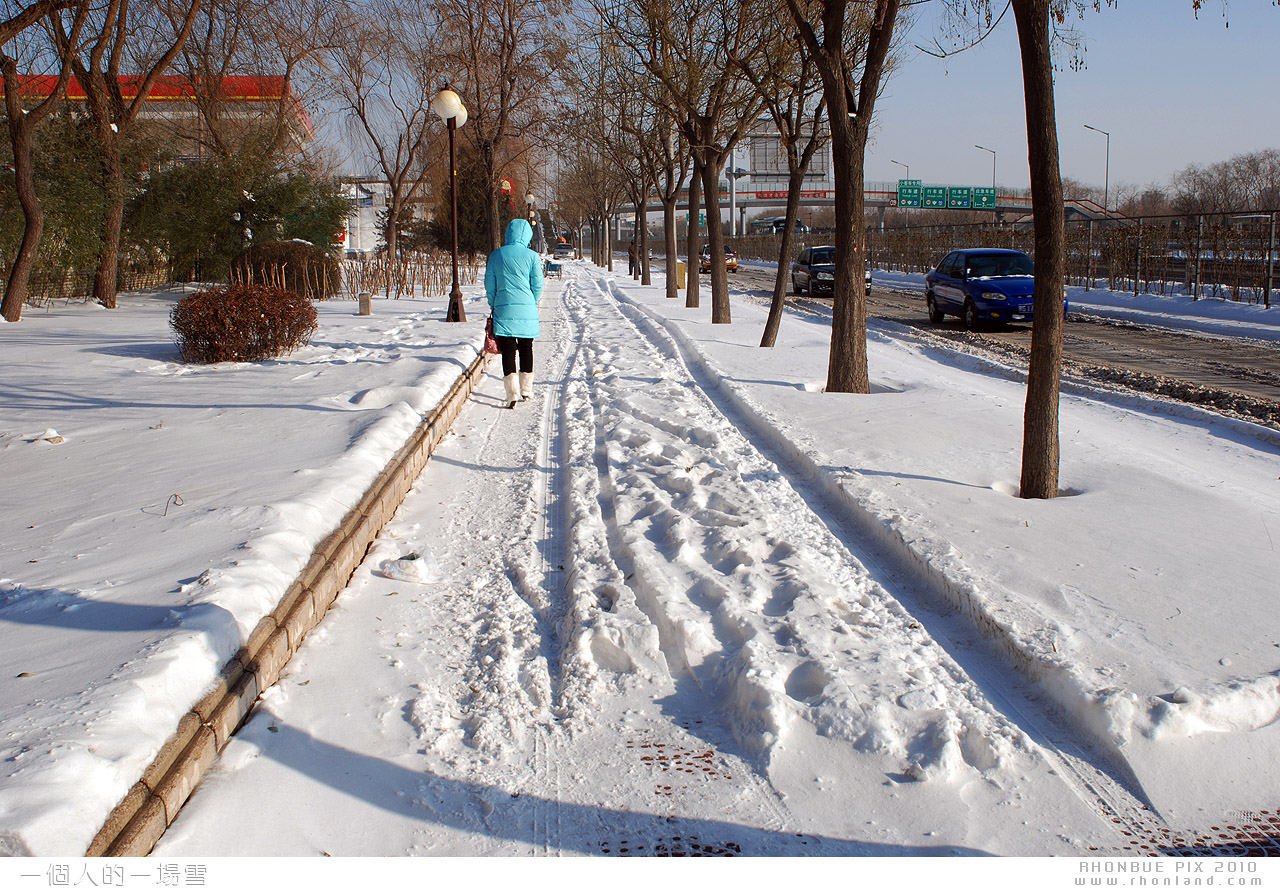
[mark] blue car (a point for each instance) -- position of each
(982, 285)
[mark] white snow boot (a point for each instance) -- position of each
(526, 384)
(513, 389)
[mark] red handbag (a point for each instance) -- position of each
(490, 343)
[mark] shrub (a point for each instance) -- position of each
(242, 323)
(293, 265)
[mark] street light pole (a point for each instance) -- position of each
(993, 163)
(996, 213)
(733, 173)
(448, 106)
(906, 167)
(1106, 182)
(529, 200)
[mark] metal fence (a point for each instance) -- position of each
(47, 284)
(1228, 256)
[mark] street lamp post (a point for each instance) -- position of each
(733, 173)
(993, 177)
(993, 163)
(906, 167)
(1106, 182)
(529, 200)
(449, 108)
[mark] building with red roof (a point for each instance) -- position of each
(235, 104)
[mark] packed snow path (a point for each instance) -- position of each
(606, 623)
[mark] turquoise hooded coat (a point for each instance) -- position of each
(513, 283)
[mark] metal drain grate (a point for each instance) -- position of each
(668, 758)
(1244, 834)
(674, 846)
(677, 769)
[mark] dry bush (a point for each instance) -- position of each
(292, 265)
(242, 323)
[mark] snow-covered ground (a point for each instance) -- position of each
(682, 601)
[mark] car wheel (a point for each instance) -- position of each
(935, 314)
(970, 316)
(808, 288)
(795, 288)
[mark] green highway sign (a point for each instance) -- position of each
(909, 192)
(959, 197)
(984, 197)
(934, 196)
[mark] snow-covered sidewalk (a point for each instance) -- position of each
(831, 611)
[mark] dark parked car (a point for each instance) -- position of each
(982, 285)
(730, 259)
(814, 272)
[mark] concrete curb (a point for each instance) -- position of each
(151, 805)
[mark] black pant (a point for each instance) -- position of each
(508, 346)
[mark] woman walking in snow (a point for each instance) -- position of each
(513, 285)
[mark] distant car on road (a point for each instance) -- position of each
(813, 273)
(775, 225)
(982, 285)
(730, 259)
(562, 251)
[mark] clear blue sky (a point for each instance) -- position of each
(1171, 91)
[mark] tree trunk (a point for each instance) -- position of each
(1040, 419)
(393, 226)
(106, 275)
(795, 180)
(642, 244)
(850, 124)
(693, 236)
(15, 293)
(492, 197)
(847, 364)
(671, 244)
(16, 290)
(720, 311)
(608, 241)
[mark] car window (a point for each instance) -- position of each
(803, 259)
(824, 255)
(996, 264)
(948, 265)
(981, 266)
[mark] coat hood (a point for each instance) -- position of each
(519, 232)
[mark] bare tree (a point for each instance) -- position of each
(851, 72)
(1244, 182)
(785, 78)
(687, 45)
(1041, 25)
(1040, 418)
(23, 16)
(504, 55)
(627, 119)
(271, 39)
(385, 77)
(22, 122)
(672, 164)
(145, 37)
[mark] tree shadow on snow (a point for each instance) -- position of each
(53, 608)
